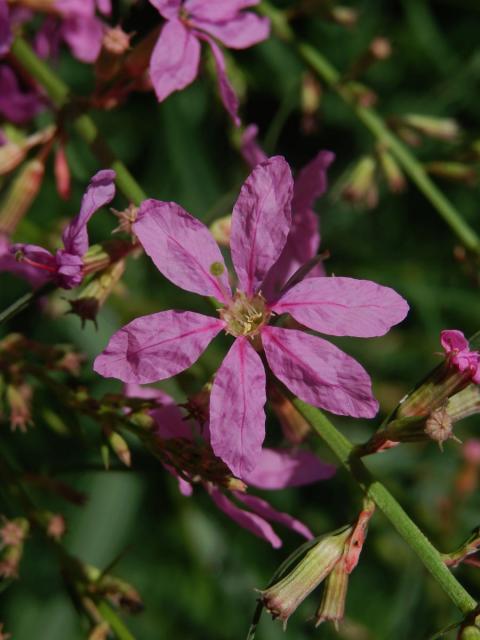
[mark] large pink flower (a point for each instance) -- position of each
(175, 58)
(277, 469)
(163, 344)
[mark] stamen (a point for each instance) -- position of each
(20, 257)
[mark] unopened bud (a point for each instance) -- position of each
(453, 171)
(13, 532)
(344, 16)
(433, 127)
(21, 194)
(19, 399)
(115, 45)
(380, 48)
(56, 526)
(221, 230)
(119, 446)
(332, 605)
(361, 187)
(120, 593)
(311, 96)
(471, 632)
(95, 293)
(62, 173)
(283, 598)
(391, 171)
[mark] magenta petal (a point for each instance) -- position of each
(105, 7)
(453, 340)
(237, 417)
(227, 94)
(320, 373)
(311, 182)
(169, 9)
(36, 277)
(84, 35)
(157, 346)
(100, 191)
(261, 222)
(175, 58)
(250, 149)
(240, 32)
(280, 468)
(5, 31)
(250, 521)
(343, 306)
(182, 248)
(216, 10)
(265, 510)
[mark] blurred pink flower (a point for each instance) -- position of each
(5, 30)
(76, 24)
(161, 345)
(303, 241)
(276, 469)
(66, 266)
(175, 58)
(17, 104)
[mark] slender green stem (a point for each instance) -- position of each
(25, 301)
(374, 489)
(116, 624)
(59, 93)
(374, 122)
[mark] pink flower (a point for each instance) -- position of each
(78, 25)
(277, 469)
(66, 266)
(175, 58)
(163, 344)
(458, 353)
(17, 104)
(303, 241)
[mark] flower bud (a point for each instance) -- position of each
(361, 187)
(18, 398)
(119, 446)
(283, 598)
(56, 526)
(433, 127)
(115, 44)
(311, 96)
(471, 632)
(221, 230)
(95, 293)
(391, 171)
(344, 16)
(62, 173)
(332, 605)
(453, 171)
(13, 532)
(23, 191)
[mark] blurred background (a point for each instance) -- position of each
(195, 569)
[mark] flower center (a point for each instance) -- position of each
(245, 316)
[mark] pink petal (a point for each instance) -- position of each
(265, 510)
(240, 32)
(157, 346)
(5, 31)
(261, 222)
(237, 417)
(182, 248)
(105, 7)
(280, 468)
(100, 191)
(319, 373)
(311, 182)
(36, 277)
(250, 521)
(169, 418)
(453, 340)
(174, 61)
(343, 306)
(251, 151)
(216, 10)
(169, 9)
(84, 35)
(227, 94)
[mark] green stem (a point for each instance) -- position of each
(116, 624)
(372, 121)
(375, 490)
(59, 93)
(25, 301)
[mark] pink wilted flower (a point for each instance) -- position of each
(303, 241)
(277, 469)
(76, 23)
(160, 345)
(175, 58)
(66, 266)
(457, 351)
